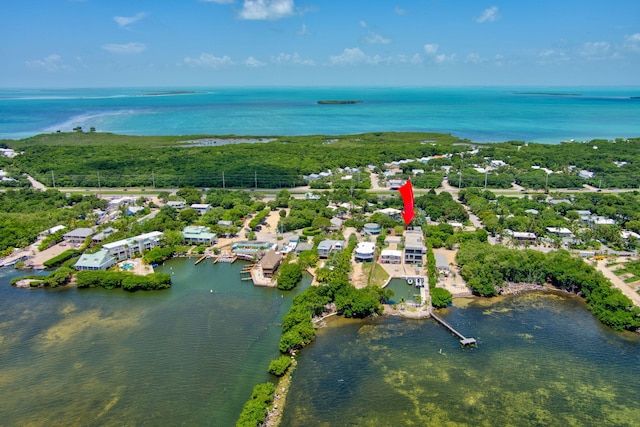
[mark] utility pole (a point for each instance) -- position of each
(53, 180)
(223, 185)
(99, 187)
(546, 183)
(255, 179)
(486, 172)
(153, 179)
(459, 179)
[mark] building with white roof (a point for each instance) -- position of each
(127, 248)
(391, 256)
(364, 251)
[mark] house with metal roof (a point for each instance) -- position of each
(100, 260)
(198, 234)
(77, 236)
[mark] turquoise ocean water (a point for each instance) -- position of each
(548, 115)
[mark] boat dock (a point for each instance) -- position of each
(199, 260)
(225, 257)
(464, 341)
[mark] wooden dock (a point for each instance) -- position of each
(463, 340)
(199, 260)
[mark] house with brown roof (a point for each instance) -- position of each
(270, 263)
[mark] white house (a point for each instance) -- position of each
(176, 204)
(560, 231)
(364, 251)
(391, 256)
(127, 248)
(202, 208)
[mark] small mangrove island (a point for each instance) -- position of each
(340, 101)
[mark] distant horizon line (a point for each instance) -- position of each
(14, 88)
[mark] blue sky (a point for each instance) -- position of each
(180, 43)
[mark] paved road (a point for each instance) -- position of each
(36, 184)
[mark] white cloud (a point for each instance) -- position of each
(303, 31)
(349, 56)
(207, 60)
(51, 63)
(595, 50)
(633, 42)
(253, 62)
(498, 60)
(292, 58)
(444, 59)
(373, 38)
(488, 15)
(127, 48)
(124, 21)
(404, 59)
(400, 11)
(266, 10)
(363, 24)
(474, 58)
(431, 48)
(355, 56)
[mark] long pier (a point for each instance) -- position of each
(463, 340)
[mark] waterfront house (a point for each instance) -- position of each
(391, 256)
(77, 236)
(127, 248)
(100, 260)
(414, 246)
(364, 252)
(270, 263)
(198, 235)
(442, 264)
(326, 247)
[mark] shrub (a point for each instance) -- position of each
(440, 297)
(60, 258)
(254, 411)
(289, 277)
(279, 366)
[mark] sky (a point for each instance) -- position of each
(192, 43)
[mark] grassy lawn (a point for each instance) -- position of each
(379, 276)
